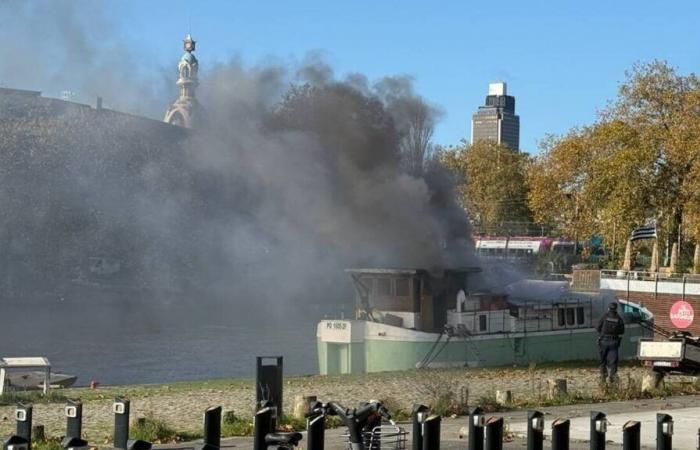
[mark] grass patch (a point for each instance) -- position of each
(232, 425)
(13, 397)
(153, 430)
(47, 444)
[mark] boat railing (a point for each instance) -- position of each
(533, 316)
(638, 275)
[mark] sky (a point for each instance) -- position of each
(563, 61)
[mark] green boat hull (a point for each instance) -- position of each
(367, 354)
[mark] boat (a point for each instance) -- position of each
(414, 318)
(34, 380)
(29, 373)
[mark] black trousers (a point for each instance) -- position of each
(609, 348)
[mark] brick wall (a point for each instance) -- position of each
(660, 306)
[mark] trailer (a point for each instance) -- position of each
(678, 353)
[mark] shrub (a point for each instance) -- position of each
(153, 430)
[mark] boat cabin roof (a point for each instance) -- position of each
(408, 271)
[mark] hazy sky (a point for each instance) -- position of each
(562, 60)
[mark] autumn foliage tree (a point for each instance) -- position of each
(639, 161)
(492, 185)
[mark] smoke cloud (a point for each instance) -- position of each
(297, 175)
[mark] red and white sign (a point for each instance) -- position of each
(682, 314)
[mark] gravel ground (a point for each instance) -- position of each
(181, 405)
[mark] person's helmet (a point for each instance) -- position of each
(612, 306)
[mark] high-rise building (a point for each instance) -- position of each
(496, 120)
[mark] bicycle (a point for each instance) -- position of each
(265, 437)
(365, 431)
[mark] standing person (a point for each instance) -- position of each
(610, 328)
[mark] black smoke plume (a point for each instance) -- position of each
(297, 175)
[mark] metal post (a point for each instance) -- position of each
(74, 443)
(535, 430)
(74, 418)
(23, 416)
(269, 385)
(419, 414)
(664, 431)
(262, 425)
(212, 427)
(121, 422)
(631, 431)
(15, 442)
(316, 433)
(431, 433)
(560, 434)
(599, 426)
(494, 433)
(138, 444)
(476, 429)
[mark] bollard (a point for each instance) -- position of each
(631, 432)
(138, 444)
(535, 430)
(664, 431)
(560, 434)
(316, 432)
(74, 443)
(23, 416)
(268, 384)
(212, 428)
(431, 433)
(476, 429)
(120, 407)
(74, 418)
(263, 424)
(15, 442)
(420, 412)
(494, 433)
(599, 426)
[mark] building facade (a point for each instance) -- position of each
(496, 120)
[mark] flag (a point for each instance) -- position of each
(645, 232)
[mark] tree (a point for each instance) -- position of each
(638, 161)
(492, 188)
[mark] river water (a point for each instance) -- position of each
(127, 343)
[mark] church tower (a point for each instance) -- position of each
(186, 111)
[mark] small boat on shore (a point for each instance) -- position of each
(34, 380)
(29, 373)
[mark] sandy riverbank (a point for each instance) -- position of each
(181, 405)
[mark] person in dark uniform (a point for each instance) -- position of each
(610, 328)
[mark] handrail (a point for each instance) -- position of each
(649, 276)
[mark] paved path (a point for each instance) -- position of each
(685, 411)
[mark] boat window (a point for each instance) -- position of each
(401, 287)
(384, 286)
(367, 283)
(580, 318)
(482, 322)
(570, 316)
(560, 315)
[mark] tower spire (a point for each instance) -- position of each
(186, 110)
